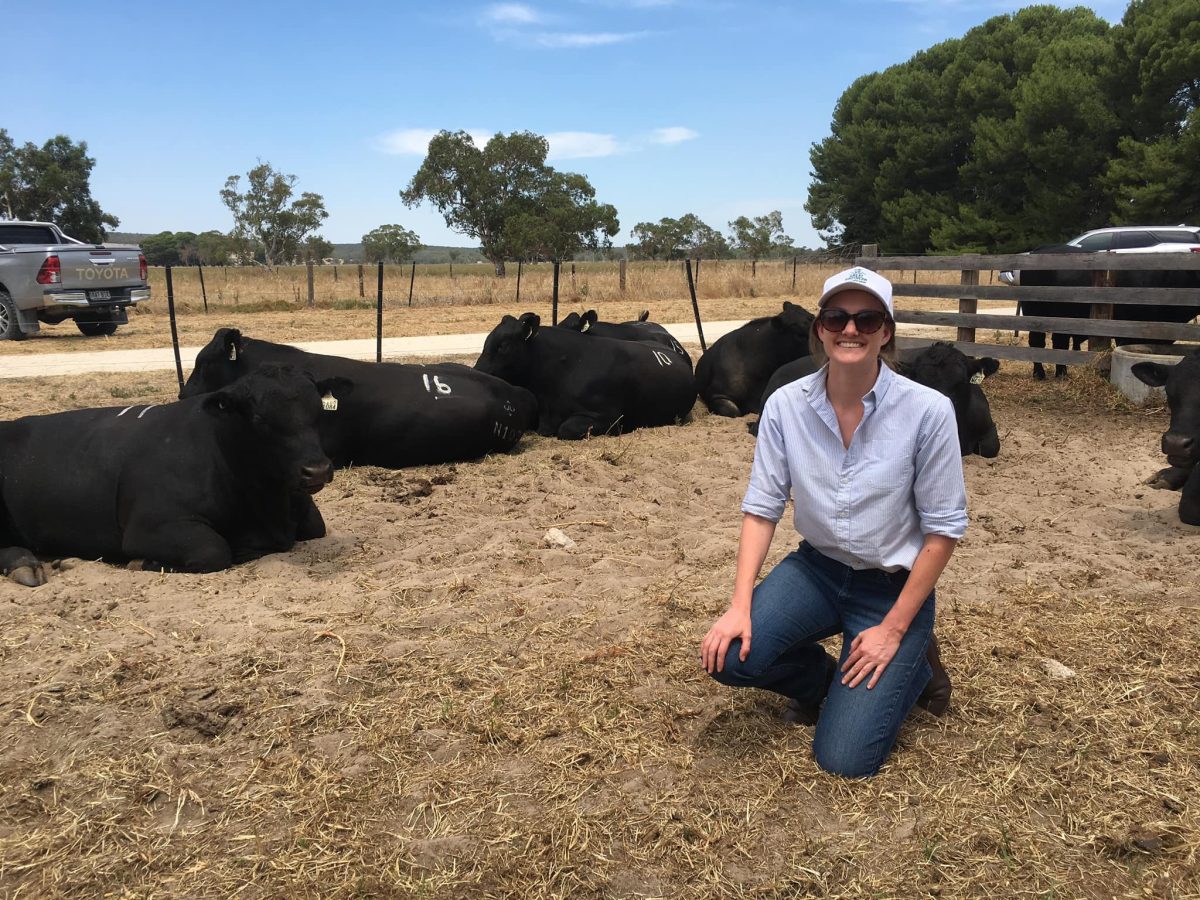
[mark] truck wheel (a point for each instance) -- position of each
(96, 329)
(10, 328)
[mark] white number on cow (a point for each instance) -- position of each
(435, 384)
(663, 359)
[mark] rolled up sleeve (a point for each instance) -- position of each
(770, 478)
(939, 489)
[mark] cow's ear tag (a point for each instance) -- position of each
(586, 326)
(233, 352)
(329, 403)
(977, 378)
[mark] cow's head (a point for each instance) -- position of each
(506, 350)
(572, 322)
(271, 414)
(1181, 442)
(795, 319)
(949, 371)
(222, 361)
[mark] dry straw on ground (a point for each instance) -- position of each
(430, 702)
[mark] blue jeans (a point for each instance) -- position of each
(806, 598)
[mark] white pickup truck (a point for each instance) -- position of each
(48, 277)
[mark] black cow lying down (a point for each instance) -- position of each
(589, 385)
(1181, 442)
(193, 486)
(641, 330)
(397, 415)
(732, 375)
(944, 368)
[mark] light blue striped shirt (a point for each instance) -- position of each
(869, 506)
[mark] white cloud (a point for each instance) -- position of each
(415, 141)
(580, 144)
(559, 39)
(675, 134)
(512, 14)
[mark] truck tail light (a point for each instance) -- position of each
(1194, 249)
(142, 266)
(51, 271)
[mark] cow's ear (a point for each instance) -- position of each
(223, 403)
(529, 324)
(232, 343)
(1153, 374)
(985, 366)
(589, 319)
(338, 387)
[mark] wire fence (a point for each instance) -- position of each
(353, 286)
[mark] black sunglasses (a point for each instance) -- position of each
(867, 321)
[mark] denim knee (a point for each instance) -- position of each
(735, 673)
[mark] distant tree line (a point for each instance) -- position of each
(1027, 130)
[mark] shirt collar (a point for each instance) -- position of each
(813, 386)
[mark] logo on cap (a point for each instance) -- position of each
(857, 275)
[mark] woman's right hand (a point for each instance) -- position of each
(731, 626)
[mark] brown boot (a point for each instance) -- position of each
(936, 696)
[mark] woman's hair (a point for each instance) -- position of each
(887, 352)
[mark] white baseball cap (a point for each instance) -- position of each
(859, 279)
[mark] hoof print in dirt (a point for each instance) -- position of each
(209, 719)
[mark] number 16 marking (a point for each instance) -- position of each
(438, 384)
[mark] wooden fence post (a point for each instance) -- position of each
(622, 267)
(793, 273)
(1100, 311)
(360, 281)
(311, 294)
(968, 278)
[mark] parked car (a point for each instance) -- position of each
(46, 276)
(1130, 239)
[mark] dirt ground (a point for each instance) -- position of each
(432, 701)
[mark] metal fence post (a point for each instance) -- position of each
(379, 316)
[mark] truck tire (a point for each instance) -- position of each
(96, 329)
(10, 328)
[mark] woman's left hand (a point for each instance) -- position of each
(870, 653)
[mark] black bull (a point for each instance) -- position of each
(397, 415)
(642, 330)
(942, 367)
(1181, 442)
(1132, 312)
(192, 486)
(589, 385)
(731, 376)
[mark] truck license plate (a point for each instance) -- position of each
(99, 295)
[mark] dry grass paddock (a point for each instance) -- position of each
(432, 702)
(473, 300)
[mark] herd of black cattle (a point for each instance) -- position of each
(228, 473)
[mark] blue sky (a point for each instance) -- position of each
(668, 106)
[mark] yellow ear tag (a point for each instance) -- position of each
(977, 378)
(329, 403)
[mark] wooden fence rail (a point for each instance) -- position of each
(1097, 324)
